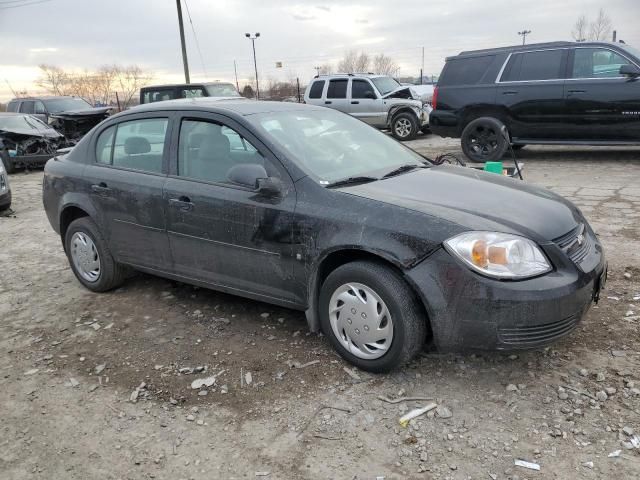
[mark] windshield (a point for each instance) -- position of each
(65, 104)
(222, 90)
(333, 146)
(385, 84)
(632, 50)
(22, 122)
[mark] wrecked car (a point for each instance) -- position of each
(73, 117)
(25, 141)
(311, 209)
(378, 100)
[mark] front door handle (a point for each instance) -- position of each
(355, 102)
(510, 92)
(327, 102)
(576, 91)
(101, 189)
(182, 203)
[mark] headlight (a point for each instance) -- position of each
(499, 255)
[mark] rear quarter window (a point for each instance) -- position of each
(13, 106)
(465, 71)
(316, 89)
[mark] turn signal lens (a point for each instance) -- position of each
(499, 255)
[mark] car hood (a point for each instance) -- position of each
(476, 200)
(27, 132)
(84, 112)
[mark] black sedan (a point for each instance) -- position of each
(308, 208)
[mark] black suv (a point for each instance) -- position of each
(550, 93)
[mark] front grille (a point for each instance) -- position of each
(531, 336)
(576, 244)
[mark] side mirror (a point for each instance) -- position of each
(270, 186)
(629, 70)
(370, 95)
(247, 174)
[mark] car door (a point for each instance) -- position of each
(40, 111)
(125, 183)
(531, 90)
(336, 96)
(222, 233)
(365, 103)
(313, 95)
(601, 103)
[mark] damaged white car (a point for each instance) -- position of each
(378, 100)
(26, 141)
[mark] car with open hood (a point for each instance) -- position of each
(71, 116)
(378, 100)
(25, 141)
(311, 209)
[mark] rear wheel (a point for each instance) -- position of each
(371, 316)
(482, 140)
(9, 166)
(404, 126)
(90, 258)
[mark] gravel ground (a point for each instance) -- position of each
(99, 385)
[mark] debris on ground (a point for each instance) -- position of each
(352, 374)
(525, 464)
(416, 412)
(205, 382)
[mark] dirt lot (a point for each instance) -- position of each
(72, 363)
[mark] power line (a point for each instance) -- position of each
(24, 4)
(195, 37)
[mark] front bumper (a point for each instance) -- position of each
(468, 311)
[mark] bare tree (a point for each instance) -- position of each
(54, 79)
(128, 82)
(579, 32)
(325, 69)
(248, 91)
(354, 62)
(384, 65)
(600, 28)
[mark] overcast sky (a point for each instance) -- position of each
(79, 34)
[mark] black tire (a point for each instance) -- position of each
(482, 140)
(404, 126)
(426, 130)
(408, 320)
(520, 146)
(9, 166)
(112, 274)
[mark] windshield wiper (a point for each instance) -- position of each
(402, 169)
(352, 181)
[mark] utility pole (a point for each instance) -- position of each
(235, 70)
(255, 64)
(615, 36)
(524, 34)
(185, 62)
(422, 67)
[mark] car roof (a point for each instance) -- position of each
(527, 47)
(13, 114)
(194, 84)
(44, 97)
(368, 75)
(212, 104)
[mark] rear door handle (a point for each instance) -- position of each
(327, 102)
(355, 102)
(576, 91)
(182, 203)
(510, 92)
(101, 189)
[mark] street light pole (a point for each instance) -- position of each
(524, 34)
(255, 64)
(185, 63)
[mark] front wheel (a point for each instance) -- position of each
(483, 140)
(90, 258)
(371, 316)
(404, 126)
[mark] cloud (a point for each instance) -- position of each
(43, 50)
(302, 17)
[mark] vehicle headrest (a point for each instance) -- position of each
(214, 146)
(136, 145)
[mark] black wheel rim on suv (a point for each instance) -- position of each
(483, 140)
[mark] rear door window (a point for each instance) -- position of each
(597, 63)
(532, 66)
(139, 144)
(337, 88)
(465, 71)
(316, 89)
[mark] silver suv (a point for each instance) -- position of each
(378, 100)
